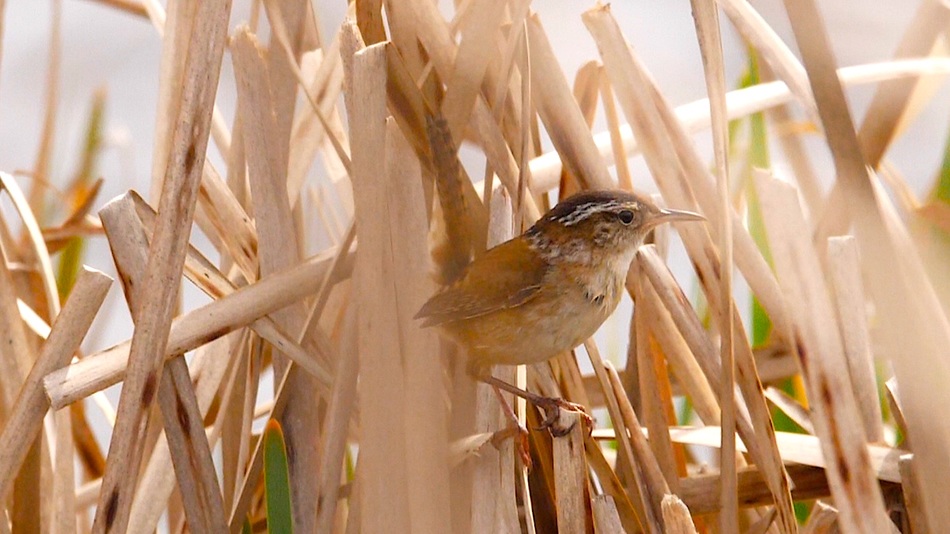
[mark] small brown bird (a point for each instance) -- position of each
(547, 290)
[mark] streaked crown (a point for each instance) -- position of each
(611, 220)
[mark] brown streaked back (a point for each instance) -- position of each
(504, 277)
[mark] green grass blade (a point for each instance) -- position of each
(758, 157)
(71, 258)
(277, 481)
(941, 189)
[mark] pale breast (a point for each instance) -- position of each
(561, 319)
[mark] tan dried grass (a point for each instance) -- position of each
(385, 430)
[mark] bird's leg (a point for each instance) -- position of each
(522, 439)
(550, 405)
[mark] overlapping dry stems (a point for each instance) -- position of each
(385, 431)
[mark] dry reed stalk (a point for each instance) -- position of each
(798, 448)
(612, 487)
(606, 517)
(493, 75)
(752, 413)
(462, 449)
(776, 53)
(211, 363)
(699, 491)
(654, 485)
(890, 109)
(284, 38)
(571, 476)
(585, 92)
(166, 255)
(678, 171)
(652, 401)
(560, 114)
(190, 451)
(502, 161)
(27, 487)
(522, 481)
(884, 120)
(617, 142)
(706, 17)
(36, 250)
(68, 330)
(694, 116)
(241, 461)
(822, 520)
(189, 331)
(341, 402)
(676, 516)
(236, 423)
(760, 523)
(821, 354)
(182, 419)
(64, 476)
(426, 415)
(910, 489)
(174, 29)
(682, 363)
(229, 220)
(493, 475)
(892, 263)
(644, 481)
(325, 72)
(845, 277)
(263, 79)
(339, 411)
(793, 147)
(242, 499)
(790, 407)
(541, 476)
(384, 499)
(507, 83)
(471, 61)
(33, 322)
(433, 33)
(200, 271)
(14, 369)
(300, 34)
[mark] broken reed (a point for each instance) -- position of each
(383, 429)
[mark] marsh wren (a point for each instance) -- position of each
(547, 290)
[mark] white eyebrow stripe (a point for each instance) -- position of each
(583, 211)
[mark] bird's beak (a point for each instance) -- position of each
(663, 216)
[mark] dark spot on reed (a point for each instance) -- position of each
(183, 418)
(211, 336)
(802, 353)
(843, 470)
(148, 392)
(112, 509)
(191, 157)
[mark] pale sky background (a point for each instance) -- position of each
(106, 48)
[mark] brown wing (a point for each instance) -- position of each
(505, 277)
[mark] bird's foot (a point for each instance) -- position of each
(552, 407)
(519, 434)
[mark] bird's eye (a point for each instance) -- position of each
(626, 216)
